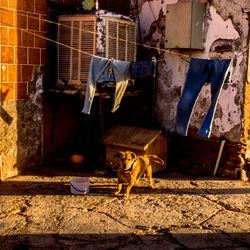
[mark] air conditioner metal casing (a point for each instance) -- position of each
(79, 38)
(184, 25)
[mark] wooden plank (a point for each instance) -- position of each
(131, 137)
(139, 140)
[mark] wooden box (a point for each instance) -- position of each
(139, 140)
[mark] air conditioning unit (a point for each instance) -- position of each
(81, 36)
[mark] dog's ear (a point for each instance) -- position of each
(118, 154)
(133, 155)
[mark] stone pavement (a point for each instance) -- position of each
(182, 212)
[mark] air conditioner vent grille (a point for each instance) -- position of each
(79, 36)
(77, 43)
(120, 39)
(64, 39)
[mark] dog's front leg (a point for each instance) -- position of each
(119, 188)
(130, 185)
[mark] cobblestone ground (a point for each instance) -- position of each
(182, 212)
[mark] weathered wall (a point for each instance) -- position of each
(23, 50)
(225, 33)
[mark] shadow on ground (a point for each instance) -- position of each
(164, 239)
(63, 188)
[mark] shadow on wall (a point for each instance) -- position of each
(3, 113)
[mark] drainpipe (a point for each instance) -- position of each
(219, 156)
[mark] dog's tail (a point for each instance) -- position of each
(156, 159)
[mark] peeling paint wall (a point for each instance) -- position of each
(225, 36)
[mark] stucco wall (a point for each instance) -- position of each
(225, 35)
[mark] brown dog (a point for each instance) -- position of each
(131, 167)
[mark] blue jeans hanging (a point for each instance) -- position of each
(201, 71)
(143, 69)
(98, 71)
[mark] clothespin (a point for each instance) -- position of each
(154, 62)
(110, 67)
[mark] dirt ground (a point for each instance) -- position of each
(38, 211)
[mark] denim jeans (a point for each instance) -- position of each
(201, 71)
(142, 69)
(119, 71)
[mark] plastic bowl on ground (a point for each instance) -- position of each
(79, 185)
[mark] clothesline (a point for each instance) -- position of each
(83, 30)
(78, 50)
(84, 52)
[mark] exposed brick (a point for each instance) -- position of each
(27, 39)
(4, 73)
(13, 4)
(14, 37)
(33, 22)
(27, 73)
(6, 17)
(4, 3)
(15, 73)
(19, 5)
(41, 6)
(22, 55)
(43, 24)
(21, 90)
(67, 2)
(28, 5)
(7, 91)
(34, 56)
(4, 36)
(22, 20)
(40, 41)
(12, 76)
(7, 54)
(43, 56)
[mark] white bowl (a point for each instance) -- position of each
(79, 185)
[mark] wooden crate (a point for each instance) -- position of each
(139, 140)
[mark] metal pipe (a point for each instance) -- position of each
(219, 156)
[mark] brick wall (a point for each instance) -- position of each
(22, 28)
(67, 2)
(22, 52)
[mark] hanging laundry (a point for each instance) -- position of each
(107, 74)
(143, 69)
(201, 71)
(101, 70)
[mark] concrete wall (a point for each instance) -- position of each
(225, 34)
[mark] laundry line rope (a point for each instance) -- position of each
(91, 32)
(169, 51)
